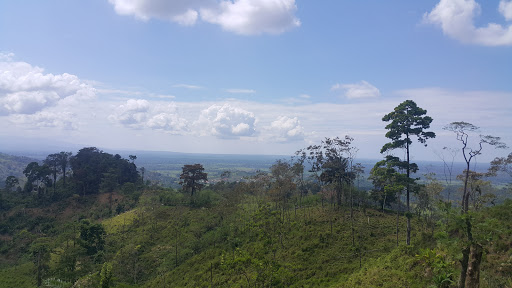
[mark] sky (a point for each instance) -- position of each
(250, 76)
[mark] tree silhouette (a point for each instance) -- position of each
(193, 178)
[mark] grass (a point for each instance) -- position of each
(253, 243)
(299, 251)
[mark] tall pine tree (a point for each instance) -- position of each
(407, 120)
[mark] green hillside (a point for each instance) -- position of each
(103, 226)
(234, 239)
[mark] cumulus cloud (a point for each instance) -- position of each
(359, 90)
(226, 121)
(183, 12)
(140, 113)
(25, 89)
(456, 19)
(286, 129)
(250, 17)
(168, 119)
(132, 114)
(245, 17)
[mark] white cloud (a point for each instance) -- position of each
(140, 113)
(163, 96)
(183, 12)
(187, 86)
(27, 102)
(302, 99)
(456, 19)
(250, 17)
(132, 114)
(168, 119)
(25, 89)
(359, 90)
(188, 18)
(246, 17)
(263, 128)
(6, 56)
(505, 8)
(241, 91)
(226, 121)
(44, 119)
(286, 129)
(107, 91)
(482, 108)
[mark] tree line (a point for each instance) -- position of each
(90, 171)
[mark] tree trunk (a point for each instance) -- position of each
(352, 217)
(473, 268)
(54, 181)
(176, 249)
(338, 195)
(39, 270)
(408, 240)
(465, 252)
(465, 194)
(464, 267)
(397, 220)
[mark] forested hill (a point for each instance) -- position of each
(93, 219)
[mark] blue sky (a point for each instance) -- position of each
(249, 76)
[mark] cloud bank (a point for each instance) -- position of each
(456, 19)
(244, 17)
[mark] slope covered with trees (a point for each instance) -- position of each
(89, 220)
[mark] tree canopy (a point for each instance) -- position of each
(193, 178)
(91, 165)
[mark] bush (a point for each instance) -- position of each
(206, 198)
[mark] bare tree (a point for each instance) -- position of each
(463, 130)
(448, 165)
(472, 253)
